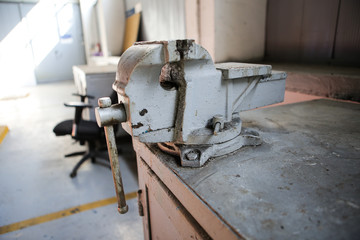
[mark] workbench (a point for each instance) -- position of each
(302, 182)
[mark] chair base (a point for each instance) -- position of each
(91, 155)
(75, 154)
(97, 155)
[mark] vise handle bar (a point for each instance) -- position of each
(106, 116)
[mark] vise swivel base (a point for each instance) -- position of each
(171, 93)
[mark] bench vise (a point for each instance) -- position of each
(171, 93)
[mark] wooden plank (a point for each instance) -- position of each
(131, 30)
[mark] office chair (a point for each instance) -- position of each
(85, 132)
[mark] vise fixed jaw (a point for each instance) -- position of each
(171, 93)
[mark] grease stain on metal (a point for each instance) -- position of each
(138, 125)
(143, 112)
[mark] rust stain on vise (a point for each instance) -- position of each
(171, 74)
(138, 125)
(164, 43)
(183, 47)
(143, 112)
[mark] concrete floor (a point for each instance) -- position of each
(34, 175)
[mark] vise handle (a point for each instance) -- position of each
(106, 116)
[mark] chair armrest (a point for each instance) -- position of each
(83, 97)
(78, 105)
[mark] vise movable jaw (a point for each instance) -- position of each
(173, 94)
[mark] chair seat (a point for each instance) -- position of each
(63, 128)
(87, 130)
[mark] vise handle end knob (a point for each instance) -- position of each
(107, 114)
(104, 102)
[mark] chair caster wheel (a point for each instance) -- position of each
(73, 174)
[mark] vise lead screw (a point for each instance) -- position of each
(106, 109)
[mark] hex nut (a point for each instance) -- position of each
(193, 155)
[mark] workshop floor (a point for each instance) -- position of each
(38, 199)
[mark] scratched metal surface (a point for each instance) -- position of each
(303, 182)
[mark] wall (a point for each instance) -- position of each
(59, 46)
(161, 19)
(103, 22)
(89, 26)
(231, 30)
(40, 41)
(114, 14)
(314, 31)
(347, 41)
(16, 58)
(240, 30)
